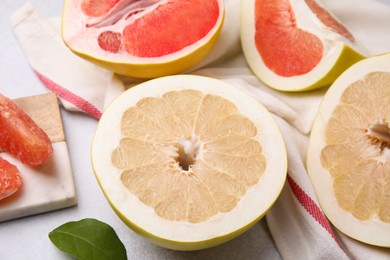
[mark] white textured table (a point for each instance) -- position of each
(27, 238)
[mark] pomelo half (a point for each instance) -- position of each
(143, 39)
(295, 45)
(349, 152)
(188, 162)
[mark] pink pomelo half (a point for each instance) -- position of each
(145, 39)
(295, 45)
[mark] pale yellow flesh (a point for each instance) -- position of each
(188, 162)
(357, 150)
(188, 155)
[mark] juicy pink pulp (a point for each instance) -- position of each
(10, 179)
(168, 28)
(20, 136)
(284, 48)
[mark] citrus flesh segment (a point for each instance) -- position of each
(124, 35)
(295, 45)
(147, 37)
(176, 166)
(21, 136)
(288, 50)
(239, 165)
(10, 179)
(369, 147)
(354, 153)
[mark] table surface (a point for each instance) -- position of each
(27, 238)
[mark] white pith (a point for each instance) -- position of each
(306, 20)
(372, 231)
(255, 202)
(189, 151)
(84, 40)
(118, 13)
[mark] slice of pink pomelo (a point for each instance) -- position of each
(10, 179)
(295, 45)
(142, 39)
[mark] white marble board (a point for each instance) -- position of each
(50, 186)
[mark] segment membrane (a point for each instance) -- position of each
(357, 150)
(220, 145)
(149, 28)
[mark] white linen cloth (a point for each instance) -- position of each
(298, 226)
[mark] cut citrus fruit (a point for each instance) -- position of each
(294, 45)
(143, 39)
(349, 152)
(10, 179)
(20, 136)
(188, 161)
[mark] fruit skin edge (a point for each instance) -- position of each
(311, 157)
(157, 69)
(188, 246)
(195, 245)
(347, 58)
(180, 245)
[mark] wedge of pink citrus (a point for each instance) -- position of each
(295, 45)
(20, 136)
(143, 39)
(10, 179)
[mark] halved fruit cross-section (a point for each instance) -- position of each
(295, 45)
(349, 153)
(143, 39)
(188, 161)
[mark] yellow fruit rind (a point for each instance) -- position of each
(312, 157)
(188, 244)
(180, 245)
(346, 59)
(154, 70)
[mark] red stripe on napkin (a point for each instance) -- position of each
(65, 94)
(311, 207)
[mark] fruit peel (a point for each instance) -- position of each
(148, 68)
(154, 69)
(188, 236)
(374, 231)
(347, 58)
(340, 52)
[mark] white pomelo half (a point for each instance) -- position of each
(349, 153)
(221, 198)
(295, 45)
(142, 39)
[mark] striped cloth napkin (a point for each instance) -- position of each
(297, 224)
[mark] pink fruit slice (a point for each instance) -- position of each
(21, 136)
(143, 39)
(285, 48)
(10, 180)
(170, 27)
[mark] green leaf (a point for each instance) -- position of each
(88, 239)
